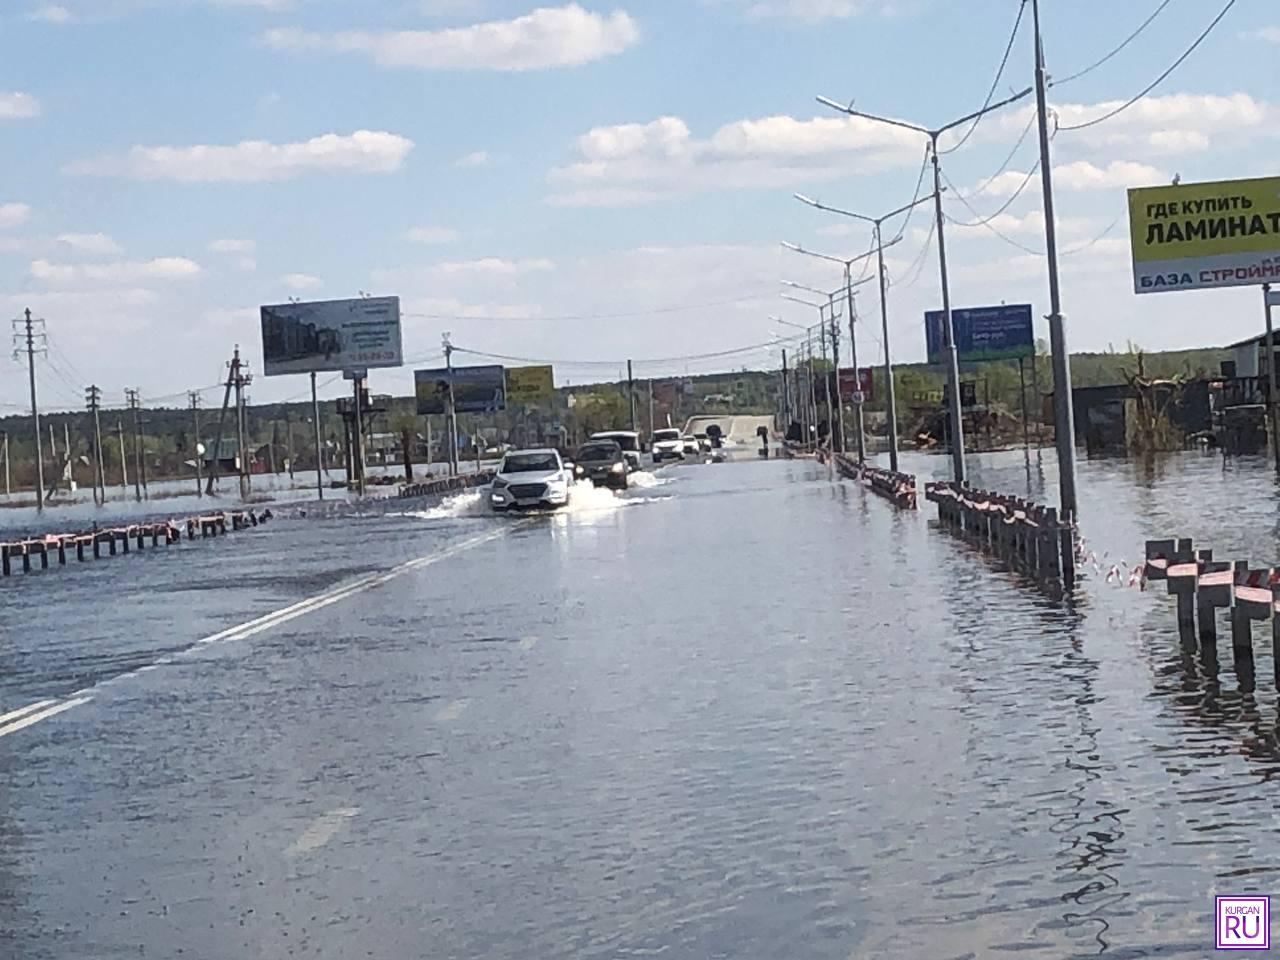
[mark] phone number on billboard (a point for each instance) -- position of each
(371, 356)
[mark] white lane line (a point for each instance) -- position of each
(42, 715)
(320, 831)
(29, 708)
(251, 628)
(452, 711)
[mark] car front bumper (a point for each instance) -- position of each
(501, 500)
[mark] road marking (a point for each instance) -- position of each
(528, 643)
(452, 711)
(45, 708)
(42, 715)
(320, 831)
(29, 708)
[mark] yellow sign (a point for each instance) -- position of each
(530, 384)
(1198, 235)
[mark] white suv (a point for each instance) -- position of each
(528, 479)
(667, 445)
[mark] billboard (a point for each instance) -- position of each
(530, 384)
(331, 335)
(983, 333)
(1196, 236)
(475, 389)
(859, 382)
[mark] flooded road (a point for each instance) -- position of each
(740, 712)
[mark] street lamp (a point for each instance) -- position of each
(948, 334)
(849, 284)
(822, 339)
(877, 223)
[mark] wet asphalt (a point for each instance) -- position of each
(740, 712)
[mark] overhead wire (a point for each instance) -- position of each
(1004, 62)
(1003, 207)
(1158, 80)
(676, 308)
(1127, 40)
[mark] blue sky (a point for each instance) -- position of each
(579, 181)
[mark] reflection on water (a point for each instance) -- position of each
(754, 714)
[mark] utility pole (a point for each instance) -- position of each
(93, 400)
(451, 411)
(8, 489)
(124, 456)
(194, 397)
(786, 393)
(357, 439)
(30, 338)
(288, 441)
(631, 396)
(1271, 375)
(858, 399)
(233, 371)
(241, 381)
(650, 383)
(315, 417)
(834, 333)
(1063, 417)
(131, 394)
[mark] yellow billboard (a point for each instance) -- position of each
(530, 384)
(1194, 236)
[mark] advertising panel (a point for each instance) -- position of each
(851, 383)
(475, 389)
(1195, 236)
(530, 385)
(331, 335)
(983, 333)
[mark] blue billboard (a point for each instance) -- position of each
(983, 333)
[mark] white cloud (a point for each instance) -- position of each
(547, 37)
(1270, 34)
(494, 266)
(52, 13)
(635, 162)
(117, 272)
(364, 151)
(479, 158)
(231, 316)
(1075, 175)
(1160, 125)
(837, 230)
(13, 215)
(16, 105)
(258, 4)
(95, 244)
(300, 281)
(432, 235)
(230, 245)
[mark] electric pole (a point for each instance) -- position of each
(194, 397)
(93, 400)
(288, 441)
(242, 380)
(8, 490)
(233, 370)
(451, 411)
(124, 457)
(131, 394)
(631, 396)
(30, 336)
(315, 416)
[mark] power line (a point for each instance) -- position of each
(1158, 80)
(917, 265)
(1009, 159)
(1004, 61)
(924, 165)
(1127, 40)
(985, 223)
(1005, 206)
(650, 360)
(1085, 246)
(678, 308)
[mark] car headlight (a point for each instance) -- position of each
(580, 471)
(618, 467)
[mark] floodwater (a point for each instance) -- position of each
(742, 711)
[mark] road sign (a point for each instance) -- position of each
(331, 335)
(856, 388)
(1193, 236)
(983, 333)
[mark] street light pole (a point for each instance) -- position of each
(1063, 416)
(948, 333)
(891, 402)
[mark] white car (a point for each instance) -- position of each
(691, 446)
(530, 479)
(667, 445)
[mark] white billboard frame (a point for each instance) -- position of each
(331, 335)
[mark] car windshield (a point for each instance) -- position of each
(627, 441)
(666, 434)
(599, 451)
(530, 463)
